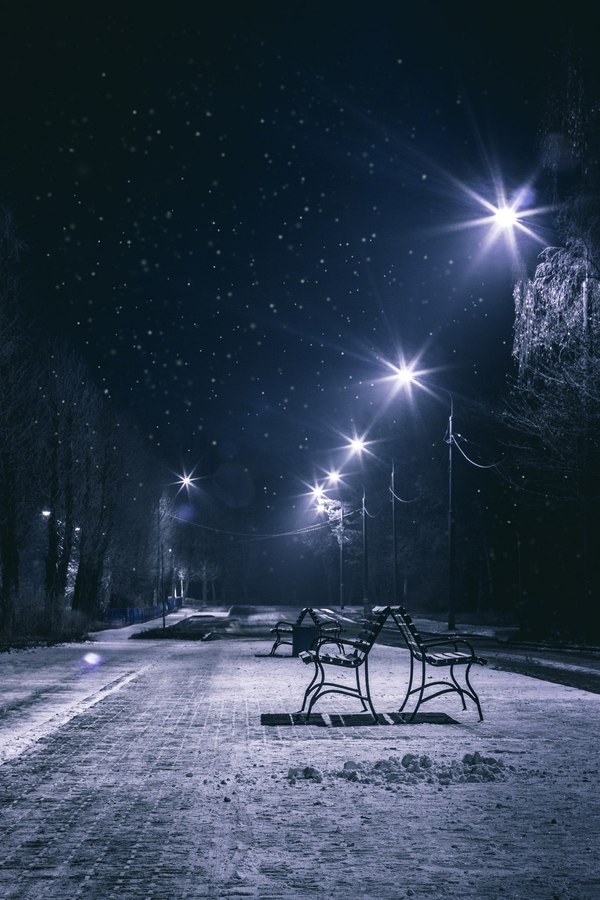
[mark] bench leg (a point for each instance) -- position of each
(277, 643)
(312, 686)
(473, 693)
(409, 690)
(446, 687)
(421, 690)
(316, 690)
(367, 690)
(459, 690)
(361, 693)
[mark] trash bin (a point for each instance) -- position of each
(303, 637)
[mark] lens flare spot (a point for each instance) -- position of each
(92, 659)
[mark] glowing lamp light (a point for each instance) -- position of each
(46, 513)
(186, 481)
(506, 217)
(404, 376)
(357, 445)
(334, 477)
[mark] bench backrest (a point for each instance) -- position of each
(370, 631)
(303, 613)
(319, 618)
(413, 639)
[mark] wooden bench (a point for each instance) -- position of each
(442, 652)
(325, 624)
(353, 653)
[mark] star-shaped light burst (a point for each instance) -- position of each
(402, 375)
(504, 217)
(319, 497)
(186, 481)
(318, 491)
(357, 445)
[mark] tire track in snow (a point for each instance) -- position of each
(18, 741)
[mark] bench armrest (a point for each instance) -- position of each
(329, 626)
(351, 644)
(446, 639)
(450, 639)
(454, 642)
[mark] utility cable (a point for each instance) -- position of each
(471, 461)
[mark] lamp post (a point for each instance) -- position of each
(405, 376)
(341, 555)
(502, 218)
(334, 478)
(451, 538)
(163, 507)
(160, 515)
(358, 446)
(322, 502)
(365, 555)
(394, 535)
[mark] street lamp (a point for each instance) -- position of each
(334, 478)
(320, 499)
(185, 481)
(404, 377)
(407, 376)
(394, 534)
(451, 538)
(358, 446)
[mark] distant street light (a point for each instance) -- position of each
(185, 481)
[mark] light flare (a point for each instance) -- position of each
(92, 659)
(186, 481)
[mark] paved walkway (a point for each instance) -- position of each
(153, 778)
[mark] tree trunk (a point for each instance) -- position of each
(9, 587)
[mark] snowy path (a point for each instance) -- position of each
(160, 782)
(42, 689)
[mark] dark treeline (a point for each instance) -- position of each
(88, 514)
(73, 479)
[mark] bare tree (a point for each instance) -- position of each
(16, 404)
(100, 476)
(553, 412)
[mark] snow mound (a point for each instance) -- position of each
(415, 769)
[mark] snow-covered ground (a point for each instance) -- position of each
(141, 769)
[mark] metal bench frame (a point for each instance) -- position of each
(326, 625)
(445, 651)
(353, 654)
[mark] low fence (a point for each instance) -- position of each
(131, 615)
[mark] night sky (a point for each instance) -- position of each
(237, 215)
